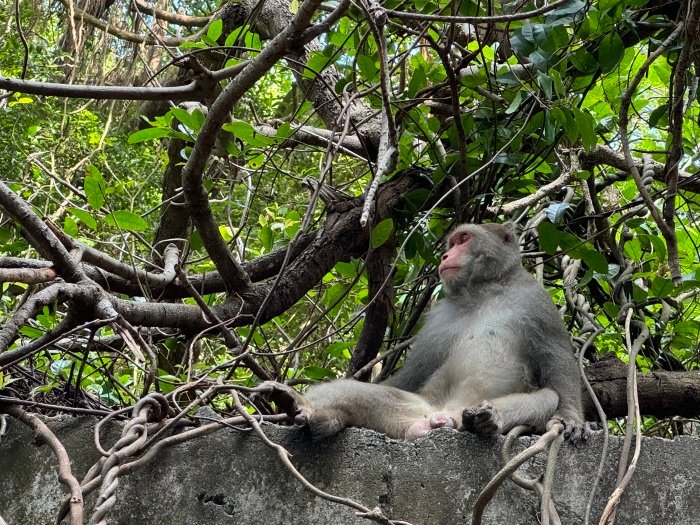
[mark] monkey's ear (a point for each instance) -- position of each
(510, 232)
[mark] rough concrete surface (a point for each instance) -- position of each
(231, 477)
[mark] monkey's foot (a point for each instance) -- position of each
(482, 419)
(575, 432)
(420, 428)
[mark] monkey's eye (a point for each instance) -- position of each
(463, 237)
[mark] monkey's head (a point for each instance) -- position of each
(478, 254)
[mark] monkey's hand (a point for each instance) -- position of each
(482, 419)
(285, 397)
(575, 432)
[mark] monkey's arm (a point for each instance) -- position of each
(546, 346)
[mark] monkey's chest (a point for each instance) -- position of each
(479, 367)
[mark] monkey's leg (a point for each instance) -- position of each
(501, 414)
(330, 407)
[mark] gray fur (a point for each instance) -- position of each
(492, 354)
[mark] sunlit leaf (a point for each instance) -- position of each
(126, 220)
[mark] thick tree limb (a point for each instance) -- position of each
(39, 234)
(661, 394)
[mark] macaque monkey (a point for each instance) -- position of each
(493, 354)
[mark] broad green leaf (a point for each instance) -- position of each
(333, 294)
(292, 222)
(340, 349)
(31, 332)
(246, 133)
(661, 287)
(382, 232)
(548, 237)
(70, 226)
(610, 52)
(192, 120)
(633, 249)
(215, 28)
(148, 134)
(316, 63)
(418, 81)
(84, 216)
(586, 128)
(94, 186)
(316, 372)
(59, 365)
(595, 260)
(346, 269)
(584, 61)
(266, 238)
(659, 117)
(368, 67)
(515, 104)
(126, 220)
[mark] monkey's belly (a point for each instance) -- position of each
(467, 380)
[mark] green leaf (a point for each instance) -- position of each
(368, 67)
(246, 133)
(515, 104)
(586, 128)
(31, 332)
(584, 61)
(610, 52)
(318, 373)
(94, 187)
(659, 117)
(60, 365)
(418, 81)
(126, 220)
(661, 287)
(70, 226)
(548, 237)
(315, 64)
(340, 349)
(594, 260)
(382, 232)
(85, 217)
(215, 28)
(346, 269)
(266, 238)
(633, 249)
(148, 134)
(192, 120)
(570, 127)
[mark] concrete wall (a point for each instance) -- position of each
(232, 478)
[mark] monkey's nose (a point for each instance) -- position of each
(444, 256)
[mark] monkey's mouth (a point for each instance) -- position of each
(443, 270)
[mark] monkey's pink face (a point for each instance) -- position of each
(453, 260)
